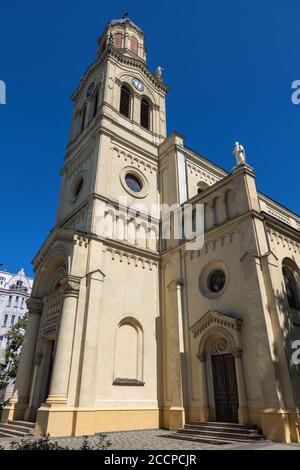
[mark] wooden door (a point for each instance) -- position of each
(225, 388)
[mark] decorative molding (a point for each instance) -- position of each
(283, 240)
(202, 174)
(129, 258)
(213, 318)
(134, 160)
(57, 239)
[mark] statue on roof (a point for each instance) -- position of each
(159, 72)
(239, 153)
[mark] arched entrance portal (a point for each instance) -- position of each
(222, 388)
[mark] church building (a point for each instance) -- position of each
(131, 330)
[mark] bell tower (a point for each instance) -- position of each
(91, 359)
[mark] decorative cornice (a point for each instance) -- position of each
(134, 62)
(130, 258)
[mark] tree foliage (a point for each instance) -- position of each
(15, 337)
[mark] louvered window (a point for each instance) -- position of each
(145, 114)
(125, 101)
(95, 103)
(83, 118)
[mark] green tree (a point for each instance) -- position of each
(15, 337)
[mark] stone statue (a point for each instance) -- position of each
(159, 71)
(239, 153)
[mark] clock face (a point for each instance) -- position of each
(137, 84)
(90, 89)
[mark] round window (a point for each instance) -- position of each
(133, 183)
(216, 281)
(78, 187)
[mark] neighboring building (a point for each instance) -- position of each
(15, 289)
(129, 331)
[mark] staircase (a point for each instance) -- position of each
(218, 433)
(14, 429)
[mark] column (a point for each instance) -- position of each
(64, 343)
(243, 409)
(204, 408)
(18, 403)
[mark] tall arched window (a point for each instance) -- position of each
(133, 45)
(118, 40)
(145, 114)
(290, 287)
(83, 114)
(125, 101)
(95, 103)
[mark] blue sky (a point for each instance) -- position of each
(230, 65)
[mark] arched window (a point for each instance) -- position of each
(290, 287)
(201, 186)
(145, 114)
(125, 101)
(95, 103)
(118, 40)
(83, 114)
(133, 45)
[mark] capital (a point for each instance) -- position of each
(35, 305)
(237, 353)
(71, 285)
(202, 357)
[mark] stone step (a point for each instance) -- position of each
(225, 429)
(227, 425)
(16, 427)
(205, 439)
(233, 436)
(4, 432)
(27, 424)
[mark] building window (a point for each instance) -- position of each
(19, 283)
(5, 321)
(9, 301)
(22, 302)
(133, 182)
(83, 118)
(77, 188)
(125, 101)
(95, 103)
(118, 40)
(290, 287)
(145, 114)
(133, 45)
(16, 301)
(2, 281)
(216, 281)
(12, 321)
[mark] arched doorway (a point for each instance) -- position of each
(222, 389)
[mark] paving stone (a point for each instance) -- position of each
(158, 440)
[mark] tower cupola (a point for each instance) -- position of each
(124, 35)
